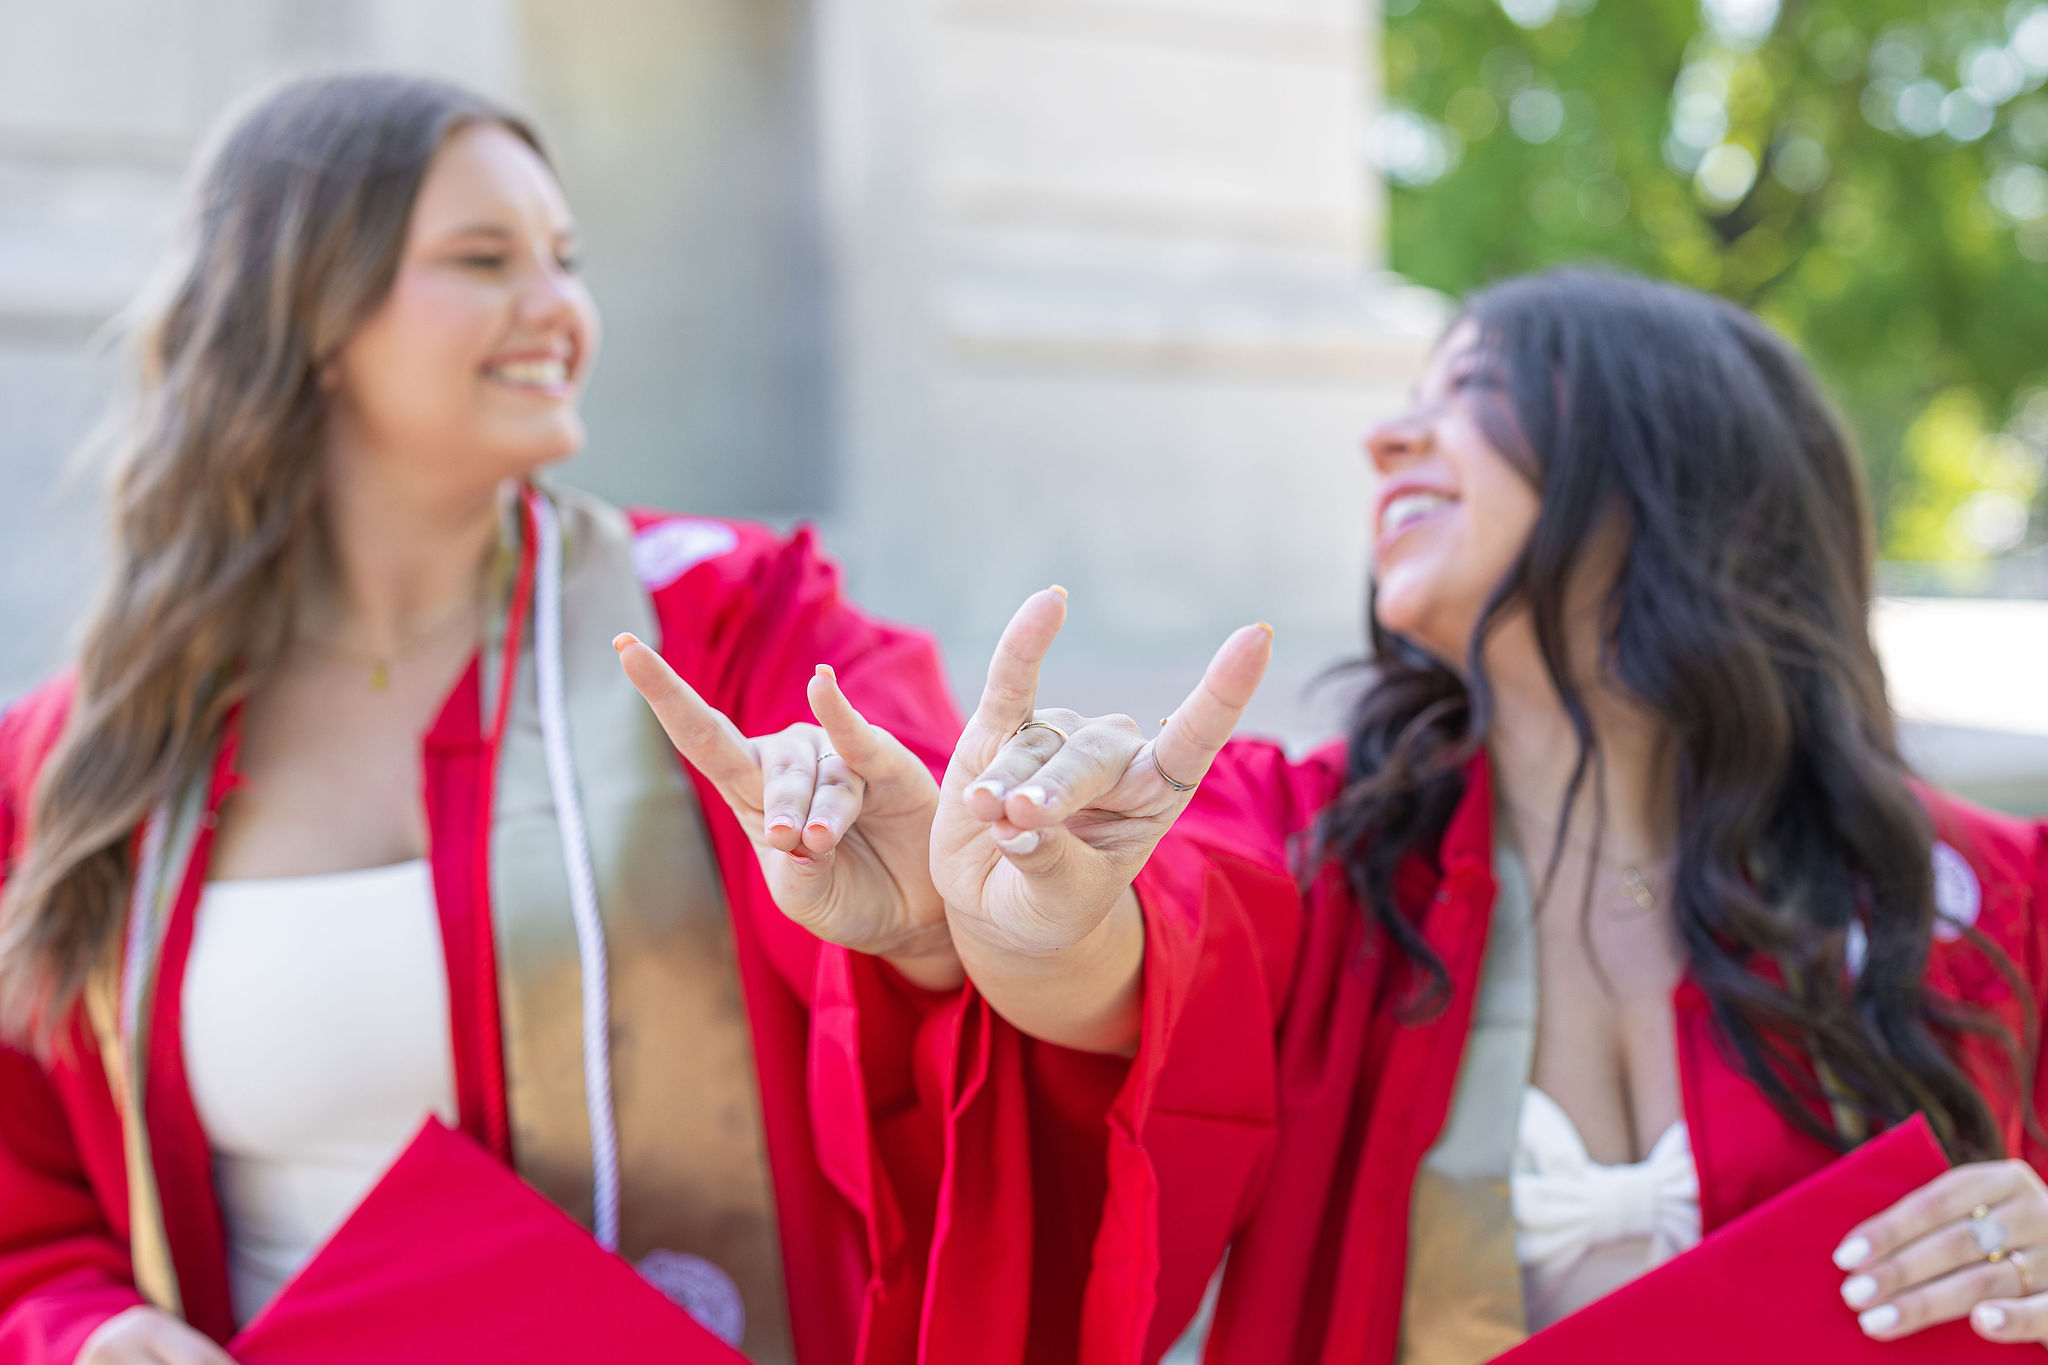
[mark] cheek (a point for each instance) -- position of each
(444, 323)
(1504, 511)
(417, 361)
(1435, 592)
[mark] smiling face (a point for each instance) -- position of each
(1452, 512)
(470, 369)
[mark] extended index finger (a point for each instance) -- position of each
(700, 731)
(1197, 732)
(1012, 689)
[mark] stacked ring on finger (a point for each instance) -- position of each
(2018, 1261)
(1165, 777)
(1988, 1233)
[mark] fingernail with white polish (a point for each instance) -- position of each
(1852, 1253)
(1859, 1291)
(1882, 1318)
(1022, 844)
(989, 785)
(1034, 793)
(781, 822)
(1988, 1318)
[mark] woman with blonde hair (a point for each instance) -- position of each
(347, 818)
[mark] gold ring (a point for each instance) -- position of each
(1988, 1233)
(1042, 725)
(2018, 1261)
(1163, 776)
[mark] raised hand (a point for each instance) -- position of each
(1045, 818)
(839, 813)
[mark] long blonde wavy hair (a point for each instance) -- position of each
(293, 230)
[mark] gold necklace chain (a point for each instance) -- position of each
(379, 666)
(1629, 870)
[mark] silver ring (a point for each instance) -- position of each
(827, 754)
(1043, 725)
(1988, 1233)
(1177, 785)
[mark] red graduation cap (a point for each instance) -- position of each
(453, 1257)
(1764, 1289)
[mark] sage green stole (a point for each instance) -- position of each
(1463, 1300)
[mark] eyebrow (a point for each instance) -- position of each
(501, 232)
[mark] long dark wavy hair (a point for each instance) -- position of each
(1739, 620)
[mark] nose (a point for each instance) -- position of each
(1398, 441)
(548, 298)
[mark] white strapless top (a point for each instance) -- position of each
(317, 1041)
(1582, 1230)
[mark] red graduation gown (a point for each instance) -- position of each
(1278, 1107)
(852, 1143)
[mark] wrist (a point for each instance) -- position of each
(927, 959)
(1055, 949)
(1085, 995)
(1051, 944)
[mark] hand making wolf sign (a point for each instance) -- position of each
(1045, 818)
(840, 815)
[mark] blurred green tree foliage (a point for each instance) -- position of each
(1868, 175)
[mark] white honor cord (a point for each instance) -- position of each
(590, 946)
(141, 918)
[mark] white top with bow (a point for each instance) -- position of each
(1583, 1229)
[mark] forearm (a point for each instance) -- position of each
(1087, 996)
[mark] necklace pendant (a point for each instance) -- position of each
(380, 677)
(1638, 889)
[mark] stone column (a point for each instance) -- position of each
(1110, 310)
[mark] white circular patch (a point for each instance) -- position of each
(667, 550)
(1958, 897)
(700, 1289)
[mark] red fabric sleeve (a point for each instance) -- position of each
(1040, 1255)
(880, 1043)
(63, 1270)
(748, 627)
(2000, 966)
(1192, 1131)
(796, 616)
(2034, 1127)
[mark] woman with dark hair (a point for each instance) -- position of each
(347, 818)
(1617, 913)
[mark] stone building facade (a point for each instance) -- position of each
(999, 292)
